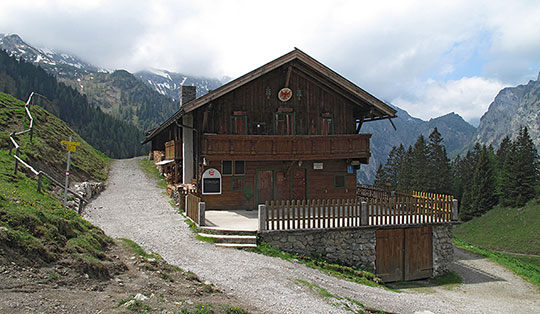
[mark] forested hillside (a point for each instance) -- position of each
(127, 98)
(115, 138)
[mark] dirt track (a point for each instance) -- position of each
(132, 206)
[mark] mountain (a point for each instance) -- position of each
(455, 131)
(61, 65)
(512, 108)
(168, 83)
(116, 138)
(125, 97)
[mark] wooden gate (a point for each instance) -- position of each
(404, 254)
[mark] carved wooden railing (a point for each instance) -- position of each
(274, 147)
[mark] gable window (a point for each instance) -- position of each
(238, 125)
(326, 126)
(236, 167)
(284, 123)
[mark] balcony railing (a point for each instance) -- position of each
(301, 147)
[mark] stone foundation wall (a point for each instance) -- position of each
(352, 247)
(443, 250)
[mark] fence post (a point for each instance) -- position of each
(363, 215)
(455, 216)
(11, 142)
(40, 178)
(202, 217)
(262, 217)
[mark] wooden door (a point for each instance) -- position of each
(284, 123)
(298, 184)
(389, 254)
(265, 186)
(418, 253)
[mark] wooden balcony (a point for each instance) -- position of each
(173, 150)
(301, 147)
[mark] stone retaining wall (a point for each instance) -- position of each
(353, 246)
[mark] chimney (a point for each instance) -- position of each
(187, 94)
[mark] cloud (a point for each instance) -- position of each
(469, 97)
(392, 49)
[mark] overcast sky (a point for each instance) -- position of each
(427, 57)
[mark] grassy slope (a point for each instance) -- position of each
(35, 229)
(506, 230)
(45, 152)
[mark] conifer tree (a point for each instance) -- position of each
(437, 171)
(419, 163)
(483, 196)
(405, 176)
(379, 176)
(520, 171)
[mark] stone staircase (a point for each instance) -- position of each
(230, 238)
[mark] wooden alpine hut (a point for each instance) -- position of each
(288, 130)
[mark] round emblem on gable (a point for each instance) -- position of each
(285, 94)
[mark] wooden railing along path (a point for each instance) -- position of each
(38, 174)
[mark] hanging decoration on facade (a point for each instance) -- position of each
(285, 94)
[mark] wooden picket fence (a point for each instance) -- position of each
(192, 207)
(380, 208)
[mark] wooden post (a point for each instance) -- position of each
(16, 160)
(11, 142)
(455, 216)
(363, 215)
(262, 217)
(40, 178)
(202, 217)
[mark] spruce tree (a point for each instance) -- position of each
(419, 161)
(405, 176)
(520, 171)
(483, 196)
(437, 172)
(379, 176)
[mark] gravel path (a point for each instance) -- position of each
(133, 206)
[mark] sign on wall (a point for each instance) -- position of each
(211, 182)
(285, 94)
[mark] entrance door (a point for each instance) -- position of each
(298, 184)
(265, 186)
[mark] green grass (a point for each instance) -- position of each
(448, 278)
(151, 172)
(527, 271)
(136, 249)
(340, 271)
(505, 229)
(36, 229)
(45, 148)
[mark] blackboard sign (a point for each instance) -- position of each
(211, 185)
(211, 182)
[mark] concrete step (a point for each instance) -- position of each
(236, 245)
(230, 238)
(218, 230)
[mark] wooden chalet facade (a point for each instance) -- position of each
(289, 130)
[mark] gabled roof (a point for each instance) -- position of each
(380, 110)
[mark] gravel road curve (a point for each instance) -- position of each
(132, 206)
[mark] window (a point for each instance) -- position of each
(284, 123)
(237, 167)
(239, 124)
(326, 126)
(227, 167)
(339, 181)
